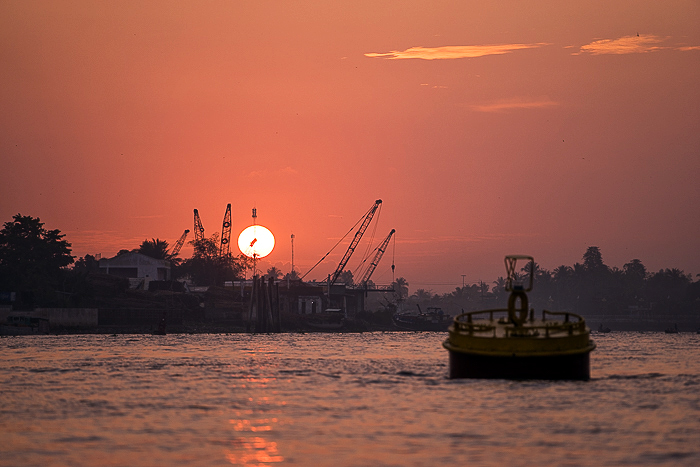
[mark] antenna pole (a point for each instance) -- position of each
(292, 254)
(255, 216)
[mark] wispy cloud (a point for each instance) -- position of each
(458, 239)
(106, 242)
(624, 45)
(515, 104)
(688, 48)
(451, 52)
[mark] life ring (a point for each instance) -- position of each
(518, 316)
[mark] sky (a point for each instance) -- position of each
(487, 128)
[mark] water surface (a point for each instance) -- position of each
(380, 399)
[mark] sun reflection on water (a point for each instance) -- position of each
(254, 451)
(249, 447)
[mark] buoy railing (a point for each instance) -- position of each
(571, 322)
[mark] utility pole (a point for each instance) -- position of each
(292, 254)
(463, 276)
(255, 216)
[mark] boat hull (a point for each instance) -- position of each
(574, 366)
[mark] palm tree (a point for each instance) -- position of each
(400, 286)
(422, 294)
(155, 248)
(274, 273)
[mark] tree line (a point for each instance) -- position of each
(35, 263)
(589, 287)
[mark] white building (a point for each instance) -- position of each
(136, 266)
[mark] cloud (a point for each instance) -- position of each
(458, 239)
(624, 45)
(287, 171)
(451, 52)
(688, 48)
(514, 104)
(105, 242)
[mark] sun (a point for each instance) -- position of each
(256, 241)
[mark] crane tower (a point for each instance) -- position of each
(198, 227)
(358, 236)
(225, 249)
(377, 257)
(178, 245)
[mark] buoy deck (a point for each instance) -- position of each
(486, 344)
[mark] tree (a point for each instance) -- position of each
(291, 276)
(87, 263)
(155, 248)
(422, 294)
(31, 257)
(635, 268)
(206, 248)
(400, 286)
(593, 260)
(274, 273)
(346, 278)
(207, 268)
(634, 276)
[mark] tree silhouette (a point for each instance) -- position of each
(31, 257)
(155, 248)
(400, 286)
(274, 273)
(422, 294)
(292, 276)
(88, 263)
(205, 267)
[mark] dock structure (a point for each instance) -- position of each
(264, 309)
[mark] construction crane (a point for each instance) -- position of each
(198, 227)
(377, 257)
(358, 236)
(178, 245)
(225, 249)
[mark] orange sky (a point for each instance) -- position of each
(488, 128)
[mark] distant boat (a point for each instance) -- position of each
(602, 329)
(434, 319)
(673, 330)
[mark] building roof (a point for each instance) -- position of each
(133, 259)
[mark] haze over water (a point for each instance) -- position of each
(337, 400)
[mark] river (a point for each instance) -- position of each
(324, 399)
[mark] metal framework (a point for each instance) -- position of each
(178, 245)
(198, 227)
(225, 249)
(377, 257)
(512, 281)
(358, 236)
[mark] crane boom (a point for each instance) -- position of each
(225, 249)
(198, 227)
(358, 236)
(377, 257)
(179, 243)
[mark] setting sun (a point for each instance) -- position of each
(256, 241)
